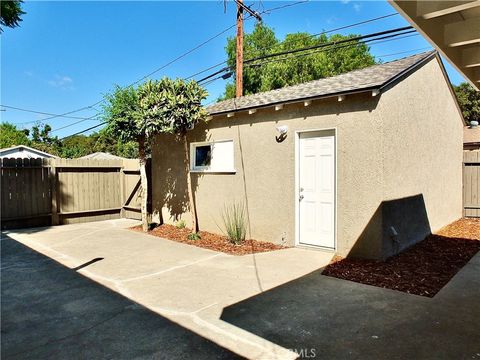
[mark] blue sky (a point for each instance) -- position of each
(66, 55)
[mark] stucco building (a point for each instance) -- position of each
(363, 164)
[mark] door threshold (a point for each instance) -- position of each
(317, 248)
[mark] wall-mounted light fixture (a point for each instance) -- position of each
(341, 97)
(282, 133)
(229, 115)
(282, 130)
(252, 111)
(307, 103)
(278, 107)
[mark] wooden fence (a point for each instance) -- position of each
(471, 183)
(39, 192)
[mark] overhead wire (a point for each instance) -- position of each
(181, 56)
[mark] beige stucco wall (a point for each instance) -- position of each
(422, 144)
(265, 169)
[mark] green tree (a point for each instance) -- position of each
(469, 101)
(127, 122)
(291, 70)
(10, 12)
(42, 140)
(11, 136)
(174, 106)
(76, 146)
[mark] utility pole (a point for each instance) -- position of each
(239, 64)
(239, 55)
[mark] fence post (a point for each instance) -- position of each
(121, 173)
(54, 187)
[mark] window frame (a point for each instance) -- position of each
(208, 169)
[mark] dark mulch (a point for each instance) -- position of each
(422, 269)
(211, 241)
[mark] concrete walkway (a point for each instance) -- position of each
(51, 312)
(188, 285)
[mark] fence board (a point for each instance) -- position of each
(471, 183)
(84, 190)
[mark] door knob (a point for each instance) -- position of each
(301, 197)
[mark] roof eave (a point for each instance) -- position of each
(392, 81)
(298, 100)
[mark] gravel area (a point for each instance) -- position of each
(211, 241)
(422, 269)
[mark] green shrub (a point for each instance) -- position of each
(181, 224)
(234, 222)
(194, 236)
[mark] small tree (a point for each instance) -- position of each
(10, 12)
(124, 116)
(469, 101)
(174, 106)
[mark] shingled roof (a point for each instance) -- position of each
(372, 77)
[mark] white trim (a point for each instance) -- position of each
(27, 148)
(297, 182)
(206, 169)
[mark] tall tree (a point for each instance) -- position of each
(174, 106)
(469, 101)
(10, 12)
(11, 136)
(291, 70)
(128, 122)
(42, 140)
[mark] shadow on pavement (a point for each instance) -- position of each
(50, 311)
(328, 318)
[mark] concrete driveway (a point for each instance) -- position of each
(52, 312)
(185, 284)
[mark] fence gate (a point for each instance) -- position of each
(42, 192)
(471, 183)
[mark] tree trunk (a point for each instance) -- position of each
(193, 209)
(143, 181)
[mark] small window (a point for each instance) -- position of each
(212, 157)
(203, 156)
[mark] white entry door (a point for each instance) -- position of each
(317, 188)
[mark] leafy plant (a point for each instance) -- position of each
(181, 224)
(10, 13)
(469, 101)
(194, 236)
(235, 222)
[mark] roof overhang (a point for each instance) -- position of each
(374, 90)
(452, 27)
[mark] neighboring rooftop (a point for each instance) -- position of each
(372, 77)
(471, 135)
(23, 151)
(102, 156)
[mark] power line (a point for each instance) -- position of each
(313, 35)
(75, 123)
(81, 132)
(350, 25)
(403, 52)
(64, 115)
(373, 42)
(40, 112)
(357, 39)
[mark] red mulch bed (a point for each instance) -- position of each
(422, 269)
(211, 241)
